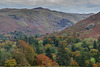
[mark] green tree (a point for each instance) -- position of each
(4, 55)
(38, 51)
(95, 45)
(99, 47)
(73, 48)
(92, 60)
(99, 44)
(99, 40)
(82, 58)
(48, 53)
(62, 57)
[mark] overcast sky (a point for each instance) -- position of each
(69, 6)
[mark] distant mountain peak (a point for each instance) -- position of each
(41, 8)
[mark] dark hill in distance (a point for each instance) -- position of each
(38, 20)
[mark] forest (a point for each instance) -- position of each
(50, 51)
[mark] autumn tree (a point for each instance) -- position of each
(95, 65)
(73, 63)
(8, 45)
(20, 59)
(88, 63)
(47, 41)
(27, 50)
(43, 60)
(10, 63)
(93, 52)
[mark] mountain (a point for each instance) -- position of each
(89, 27)
(37, 21)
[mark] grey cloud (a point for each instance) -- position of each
(61, 5)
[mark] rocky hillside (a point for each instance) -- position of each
(38, 20)
(90, 27)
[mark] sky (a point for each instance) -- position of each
(68, 6)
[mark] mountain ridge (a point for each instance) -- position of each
(37, 20)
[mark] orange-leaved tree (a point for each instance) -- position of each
(43, 60)
(73, 63)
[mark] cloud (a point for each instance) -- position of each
(61, 5)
